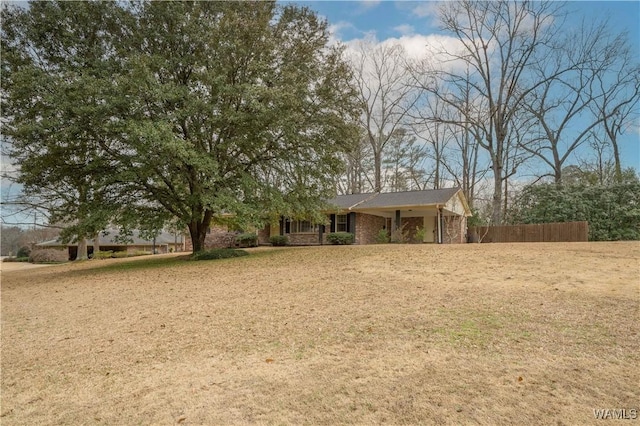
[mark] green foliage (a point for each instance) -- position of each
(161, 110)
(279, 240)
(340, 238)
(15, 259)
(398, 236)
(23, 252)
(476, 219)
(120, 254)
(49, 256)
(420, 234)
(223, 253)
(247, 240)
(102, 254)
(382, 237)
(613, 211)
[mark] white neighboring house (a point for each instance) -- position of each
(164, 242)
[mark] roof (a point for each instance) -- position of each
(108, 238)
(394, 199)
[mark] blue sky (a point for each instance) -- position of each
(351, 20)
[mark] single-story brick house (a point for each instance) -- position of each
(164, 243)
(442, 213)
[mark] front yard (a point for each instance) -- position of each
(400, 334)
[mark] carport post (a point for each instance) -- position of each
(439, 225)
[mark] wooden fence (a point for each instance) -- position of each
(543, 232)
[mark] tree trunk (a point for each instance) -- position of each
(96, 243)
(198, 234)
(496, 203)
(82, 249)
(616, 159)
(377, 163)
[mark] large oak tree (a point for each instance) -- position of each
(216, 107)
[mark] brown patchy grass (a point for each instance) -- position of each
(399, 334)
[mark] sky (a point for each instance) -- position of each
(410, 21)
(406, 20)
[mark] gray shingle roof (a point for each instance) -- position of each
(394, 199)
(110, 240)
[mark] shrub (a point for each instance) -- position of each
(419, 235)
(340, 238)
(382, 236)
(279, 240)
(398, 235)
(49, 256)
(23, 252)
(120, 254)
(102, 254)
(139, 253)
(15, 259)
(247, 240)
(221, 253)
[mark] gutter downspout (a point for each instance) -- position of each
(439, 223)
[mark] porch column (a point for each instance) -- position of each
(320, 232)
(352, 224)
(397, 220)
(281, 225)
(439, 219)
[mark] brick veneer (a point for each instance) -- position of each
(367, 228)
(409, 225)
(455, 230)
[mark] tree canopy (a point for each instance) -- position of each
(143, 112)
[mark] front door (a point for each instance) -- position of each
(430, 229)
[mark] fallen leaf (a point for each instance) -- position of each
(269, 360)
(520, 378)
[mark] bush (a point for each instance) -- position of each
(23, 252)
(279, 240)
(102, 254)
(340, 238)
(247, 240)
(419, 235)
(15, 259)
(223, 253)
(139, 253)
(382, 236)
(399, 236)
(120, 254)
(49, 256)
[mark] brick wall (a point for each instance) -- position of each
(454, 230)
(409, 225)
(367, 228)
(304, 239)
(218, 237)
(264, 234)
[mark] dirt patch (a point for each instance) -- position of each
(400, 334)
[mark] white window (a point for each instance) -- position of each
(341, 223)
(302, 227)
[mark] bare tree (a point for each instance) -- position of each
(618, 95)
(358, 177)
(403, 162)
(499, 41)
(381, 79)
(586, 72)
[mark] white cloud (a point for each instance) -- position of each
(404, 29)
(426, 9)
(335, 30)
(370, 4)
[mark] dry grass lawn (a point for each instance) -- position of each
(398, 334)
